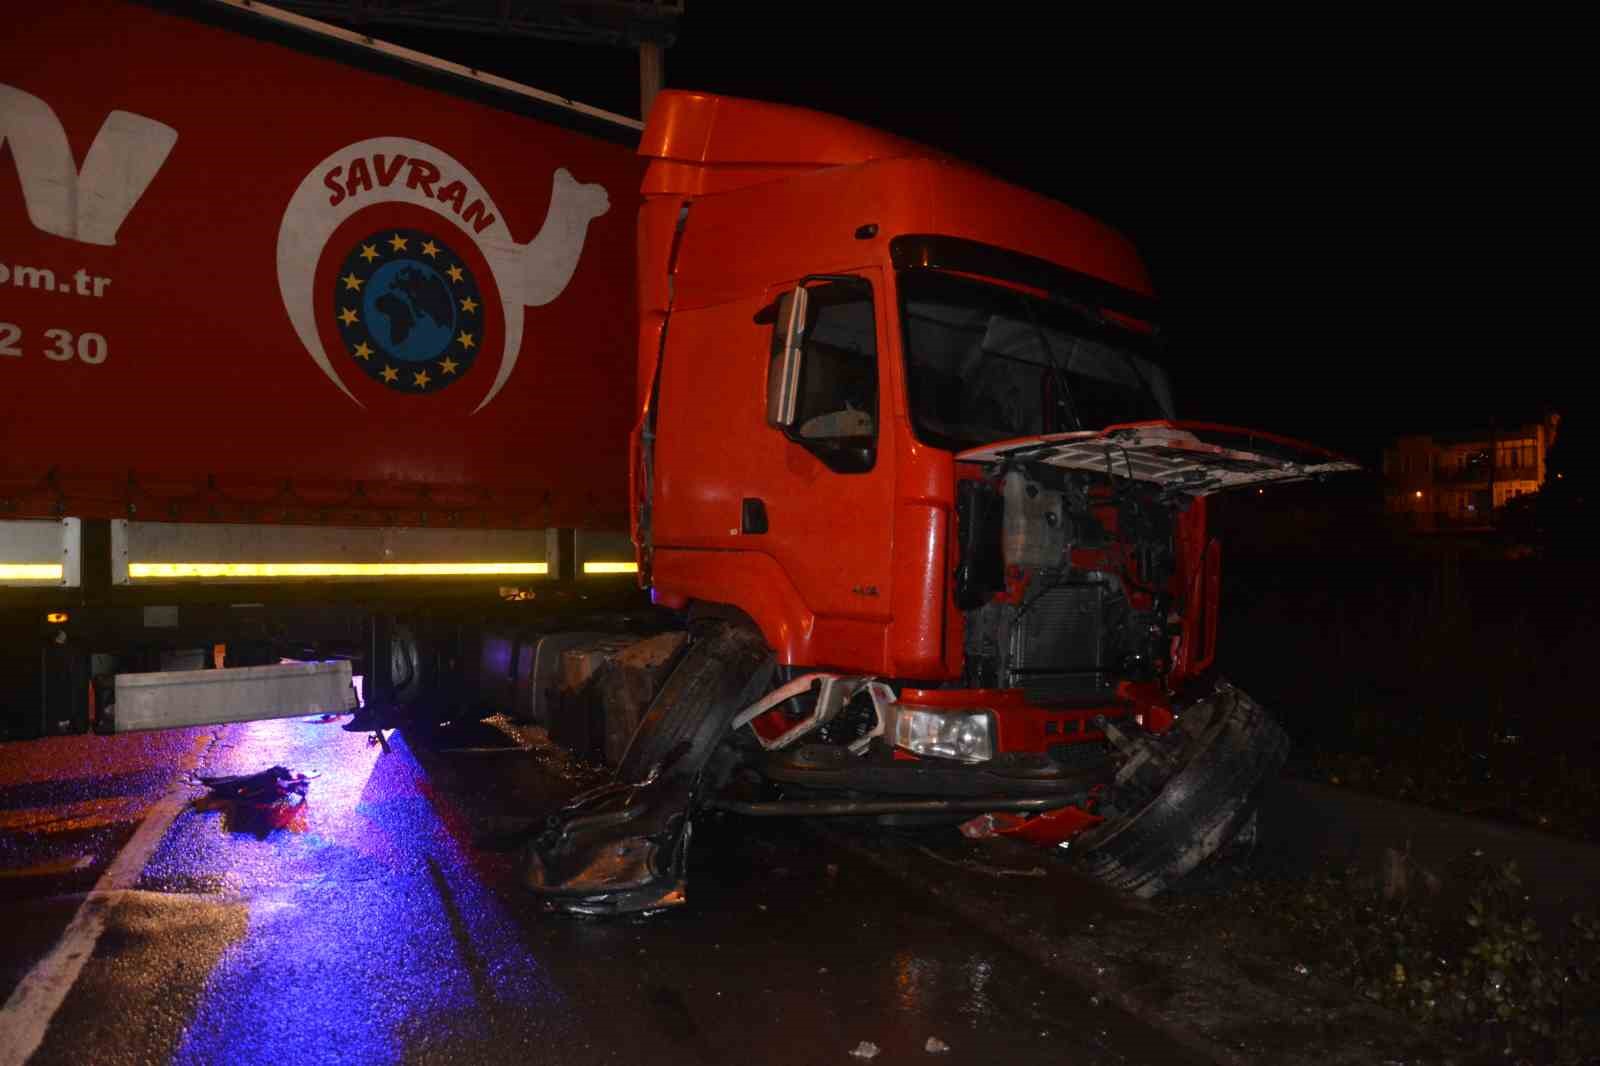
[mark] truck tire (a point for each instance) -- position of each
(1223, 765)
(725, 668)
(408, 668)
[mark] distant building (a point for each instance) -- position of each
(1459, 480)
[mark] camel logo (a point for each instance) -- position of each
(408, 302)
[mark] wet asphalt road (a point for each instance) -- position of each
(377, 929)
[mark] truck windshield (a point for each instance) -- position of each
(987, 363)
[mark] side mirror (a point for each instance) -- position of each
(783, 375)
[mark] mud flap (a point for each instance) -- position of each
(1222, 757)
(622, 848)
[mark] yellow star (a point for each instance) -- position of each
(390, 373)
(455, 273)
(368, 252)
(352, 283)
(469, 305)
(363, 351)
(430, 249)
(465, 340)
(397, 242)
(347, 316)
(448, 365)
(420, 378)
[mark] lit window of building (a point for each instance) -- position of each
(1444, 481)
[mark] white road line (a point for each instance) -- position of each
(26, 1015)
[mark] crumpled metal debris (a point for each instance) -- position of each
(274, 798)
(935, 1046)
(622, 847)
(865, 1050)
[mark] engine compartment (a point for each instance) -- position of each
(1067, 582)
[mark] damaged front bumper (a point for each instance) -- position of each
(622, 849)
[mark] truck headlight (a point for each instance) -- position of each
(966, 735)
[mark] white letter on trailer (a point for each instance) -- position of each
(88, 205)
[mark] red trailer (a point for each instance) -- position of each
(276, 311)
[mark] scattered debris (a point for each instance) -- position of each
(267, 786)
(257, 803)
(990, 825)
(1302, 969)
(935, 1046)
(866, 1050)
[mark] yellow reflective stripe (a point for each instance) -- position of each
(258, 570)
(30, 571)
(611, 568)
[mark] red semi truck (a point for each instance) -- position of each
(319, 358)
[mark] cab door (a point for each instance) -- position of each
(815, 497)
(828, 493)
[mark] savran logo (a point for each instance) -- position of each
(408, 304)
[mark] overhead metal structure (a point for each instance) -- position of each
(626, 23)
(646, 25)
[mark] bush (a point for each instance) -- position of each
(1479, 970)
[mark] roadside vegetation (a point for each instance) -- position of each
(1450, 673)
(1459, 952)
(1456, 682)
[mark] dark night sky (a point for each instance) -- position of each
(1339, 219)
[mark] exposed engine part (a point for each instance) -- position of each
(1061, 631)
(1144, 528)
(1058, 645)
(981, 568)
(1035, 524)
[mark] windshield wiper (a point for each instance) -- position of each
(1095, 315)
(1058, 373)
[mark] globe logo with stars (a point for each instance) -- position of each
(408, 309)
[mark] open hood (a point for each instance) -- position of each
(1193, 458)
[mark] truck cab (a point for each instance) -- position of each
(908, 426)
(832, 472)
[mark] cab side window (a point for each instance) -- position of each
(836, 406)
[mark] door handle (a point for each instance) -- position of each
(753, 515)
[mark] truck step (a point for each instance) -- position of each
(177, 698)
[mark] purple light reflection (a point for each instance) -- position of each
(369, 934)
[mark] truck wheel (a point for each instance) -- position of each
(1222, 752)
(408, 667)
(726, 667)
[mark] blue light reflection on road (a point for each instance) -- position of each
(370, 934)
